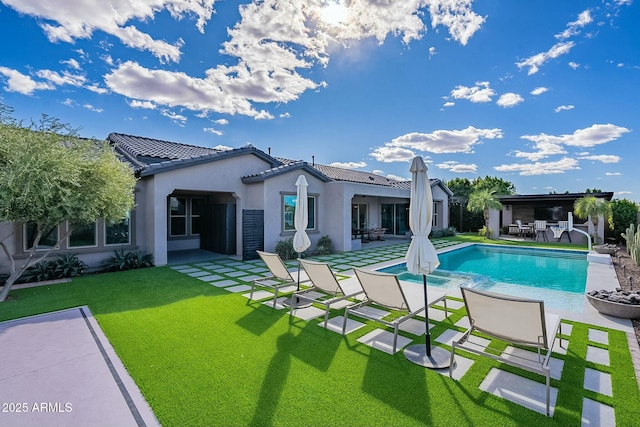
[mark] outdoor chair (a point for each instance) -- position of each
(514, 320)
(523, 230)
(540, 228)
(324, 280)
(279, 278)
(385, 290)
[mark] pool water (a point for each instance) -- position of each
(556, 276)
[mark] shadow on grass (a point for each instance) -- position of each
(261, 319)
(314, 345)
(274, 382)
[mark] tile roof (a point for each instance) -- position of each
(350, 175)
(149, 156)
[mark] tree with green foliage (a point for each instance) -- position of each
(592, 207)
(482, 201)
(462, 188)
(498, 185)
(623, 214)
(50, 176)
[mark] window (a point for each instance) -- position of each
(289, 209)
(434, 219)
(48, 239)
(177, 216)
(359, 216)
(197, 206)
(118, 233)
(83, 235)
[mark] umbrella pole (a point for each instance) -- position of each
(426, 317)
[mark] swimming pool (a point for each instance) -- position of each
(556, 276)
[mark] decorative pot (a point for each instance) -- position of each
(608, 250)
(615, 309)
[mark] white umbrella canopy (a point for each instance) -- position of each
(300, 221)
(421, 257)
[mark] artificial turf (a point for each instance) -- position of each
(204, 356)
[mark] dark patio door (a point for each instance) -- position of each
(218, 227)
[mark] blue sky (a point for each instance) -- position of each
(542, 93)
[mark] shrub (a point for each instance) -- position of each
(130, 260)
(484, 232)
(325, 245)
(62, 267)
(284, 248)
(443, 232)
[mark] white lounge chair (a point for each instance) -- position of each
(514, 320)
(280, 276)
(386, 290)
(324, 280)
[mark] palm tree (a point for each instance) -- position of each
(482, 201)
(592, 207)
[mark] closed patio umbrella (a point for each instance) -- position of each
(422, 259)
(300, 221)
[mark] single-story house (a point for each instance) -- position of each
(552, 208)
(234, 202)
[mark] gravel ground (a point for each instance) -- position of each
(629, 278)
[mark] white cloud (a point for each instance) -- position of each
(72, 20)
(445, 141)
(389, 154)
(92, 108)
(540, 168)
(574, 65)
(221, 122)
(573, 28)
(539, 91)
(18, 82)
(222, 147)
(563, 108)
(604, 158)
(510, 99)
(458, 167)
(272, 45)
(397, 177)
(613, 173)
(378, 171)
(594, 135)
(457, 16)
(449, 104)
(348, 165)
(142, 104)
(71, 63)
(285, 116)
(65, 78)
(432, 51)
(481, 92)
(177, 118)
(548, 145)
(536, 61)
(213, 131)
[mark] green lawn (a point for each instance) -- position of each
(204, 356)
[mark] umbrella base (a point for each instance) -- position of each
(439, 359)
(296, 302)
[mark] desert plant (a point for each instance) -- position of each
(69, 265)
(63, 266)
(284, 248)
(40, 271)
(632, 237)
(325, 245)
(130, 260)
